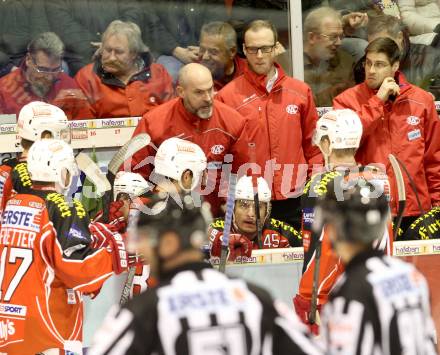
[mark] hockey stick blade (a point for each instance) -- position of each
(133, 218)
(127, 150)
(93, 173)
(125, 295)
(228, 222)
(400, 192)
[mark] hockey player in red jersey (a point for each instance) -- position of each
(36, 120)
(47, 259)
(244, 237)
(338, 134)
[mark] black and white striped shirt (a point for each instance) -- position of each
(200, 311)
(380, 305)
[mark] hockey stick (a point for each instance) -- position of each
(400, 192)
(252, 156)
(228, 222)
(93, 173)
(131, 248)
(314, 301)
(126, 151)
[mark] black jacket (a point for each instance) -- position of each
(196, 309)
(380, 305)
(171, 24)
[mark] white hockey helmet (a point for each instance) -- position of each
(176, 155)
(132, 184)
(244, 189)
(343, 128)
(37, 117)
(49, 160)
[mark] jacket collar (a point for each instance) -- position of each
(110, 79)
(259, 81)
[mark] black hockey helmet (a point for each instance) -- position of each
(359, 210)
(165, 213)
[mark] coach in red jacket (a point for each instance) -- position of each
(195, 116)
(282, 118)
(397, 118)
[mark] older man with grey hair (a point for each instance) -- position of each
(218, 52)
(123, 81)
(327, 67)
(40, 78)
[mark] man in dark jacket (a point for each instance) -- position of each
(172, 29)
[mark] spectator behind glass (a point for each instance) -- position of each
(418, 62)
(172, 29)
(80, 24)
(17, 27)
(123, 81)
(397, 118)
(218, 52)
(420, 16)
(328, 69)
(40, 78)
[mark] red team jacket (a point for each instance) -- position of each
(224, 133)
(281, 124)
(47, 262)
(65, 93)
(409, 128)
(109, 97)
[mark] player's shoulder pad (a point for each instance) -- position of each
(218, 223)
(317, 186)
(283, 228)
(21, 178)
(11, 162)
(59, 207)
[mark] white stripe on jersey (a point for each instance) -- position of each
(112, 327)
(216, 295)
(123, 344)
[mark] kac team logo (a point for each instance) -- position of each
(292, 109)
(413, 120)
(217, 149)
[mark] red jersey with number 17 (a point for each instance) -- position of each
(46, 262)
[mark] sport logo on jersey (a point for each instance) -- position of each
(21, 216)
(12, 309)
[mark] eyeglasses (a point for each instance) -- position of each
(246, 204)
(44, 70)
(263, 49)
(333, 38)
(211, 51)
(377, 65)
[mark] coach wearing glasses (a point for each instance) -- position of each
(40, 78)
(282, 117)
(328, 69)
